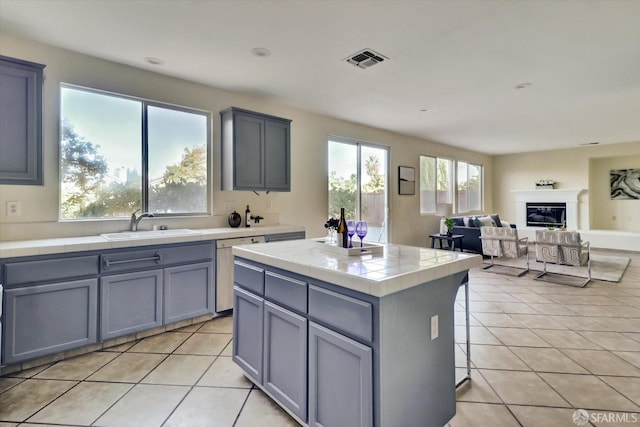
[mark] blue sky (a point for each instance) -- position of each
(114, 123)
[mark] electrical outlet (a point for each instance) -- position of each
(229, 206)
(269, 205)
(14, 208)
(434, 327)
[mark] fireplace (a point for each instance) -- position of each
(569, 197)
(546, 214)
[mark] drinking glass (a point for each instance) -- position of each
(361, 230)
(351, 230)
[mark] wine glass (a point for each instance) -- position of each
(361, 230)
(351, 230)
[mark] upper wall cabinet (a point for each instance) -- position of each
(256, 151)
(20, 121)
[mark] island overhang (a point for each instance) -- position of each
(397, 268)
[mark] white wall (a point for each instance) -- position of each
(578, 168)
(305, 205)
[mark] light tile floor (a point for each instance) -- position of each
(539, 352)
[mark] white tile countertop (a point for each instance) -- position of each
(397, 268)
(89, 243)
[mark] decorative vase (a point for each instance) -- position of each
(443, 227)
(234, 219)
(332, 237)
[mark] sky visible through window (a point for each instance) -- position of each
(121, 145)
(106, 173)
(170, 131)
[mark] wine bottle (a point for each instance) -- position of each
(247, 217)
(343, 240)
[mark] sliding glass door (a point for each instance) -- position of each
(358, 182)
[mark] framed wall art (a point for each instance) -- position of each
(406, 180)
(625, 184)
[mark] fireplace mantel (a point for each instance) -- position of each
(568, 196)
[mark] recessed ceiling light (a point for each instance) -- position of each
(153, 60)
(260, 51)
(523, 85)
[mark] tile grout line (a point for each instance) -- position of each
(195, 383)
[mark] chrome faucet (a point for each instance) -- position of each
(133, 225)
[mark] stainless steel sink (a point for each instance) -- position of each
(151, 234)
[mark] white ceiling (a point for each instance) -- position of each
(460, 59)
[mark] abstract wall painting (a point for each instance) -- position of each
(406, 180)
(625, 184)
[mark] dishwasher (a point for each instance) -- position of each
(224, 269)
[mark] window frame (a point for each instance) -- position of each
(453, 184)
(359, 144)
(480, 189)
(452, 180)
(144, 141)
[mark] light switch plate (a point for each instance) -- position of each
(434, 327)
(14, 208)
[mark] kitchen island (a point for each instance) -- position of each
(340, 340)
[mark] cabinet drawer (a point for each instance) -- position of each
(289, 292)
(350, 315)
(115, 262)
(129, 260)
(187, 253)
(249, 277)
(50, 270)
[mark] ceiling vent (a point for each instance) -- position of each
(365, 58)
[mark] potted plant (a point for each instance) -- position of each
(449, 222)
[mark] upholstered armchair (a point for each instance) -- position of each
(562, 247)
(503, 242)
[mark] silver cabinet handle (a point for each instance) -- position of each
(157, 258)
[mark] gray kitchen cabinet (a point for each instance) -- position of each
(20, 122)
(309, 347)
(130, 302)
(188, 291)
(144, 288)
(285, 357)
(59, 302)
(277, 155)
(270, 341)
(256, 151)
(248, 318)
(340, 380)
(50, 318)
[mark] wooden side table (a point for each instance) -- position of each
(451, 241)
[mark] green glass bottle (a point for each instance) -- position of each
(343, 238)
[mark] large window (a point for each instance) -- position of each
(436, 183)
(119, 154)
(438, 179)
(358, 183)
(469, 189)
